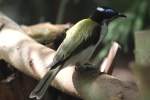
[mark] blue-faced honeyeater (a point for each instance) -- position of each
(78, 46)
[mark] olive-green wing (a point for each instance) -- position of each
(80, 36)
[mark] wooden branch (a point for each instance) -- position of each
(31, 58)
(105, 67)
(45, 32)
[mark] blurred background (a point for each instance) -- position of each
(57, 11)
(29, 12)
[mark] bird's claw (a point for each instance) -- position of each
(86, 67)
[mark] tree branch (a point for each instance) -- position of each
(46, 32)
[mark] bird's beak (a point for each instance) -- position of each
(121, 15)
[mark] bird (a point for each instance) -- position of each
(78, 46)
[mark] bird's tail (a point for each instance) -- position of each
(42, 86)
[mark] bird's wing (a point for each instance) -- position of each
(78, 38)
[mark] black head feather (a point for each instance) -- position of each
(105, 13)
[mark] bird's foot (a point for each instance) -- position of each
(86, 67)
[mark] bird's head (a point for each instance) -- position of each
(105, 14)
